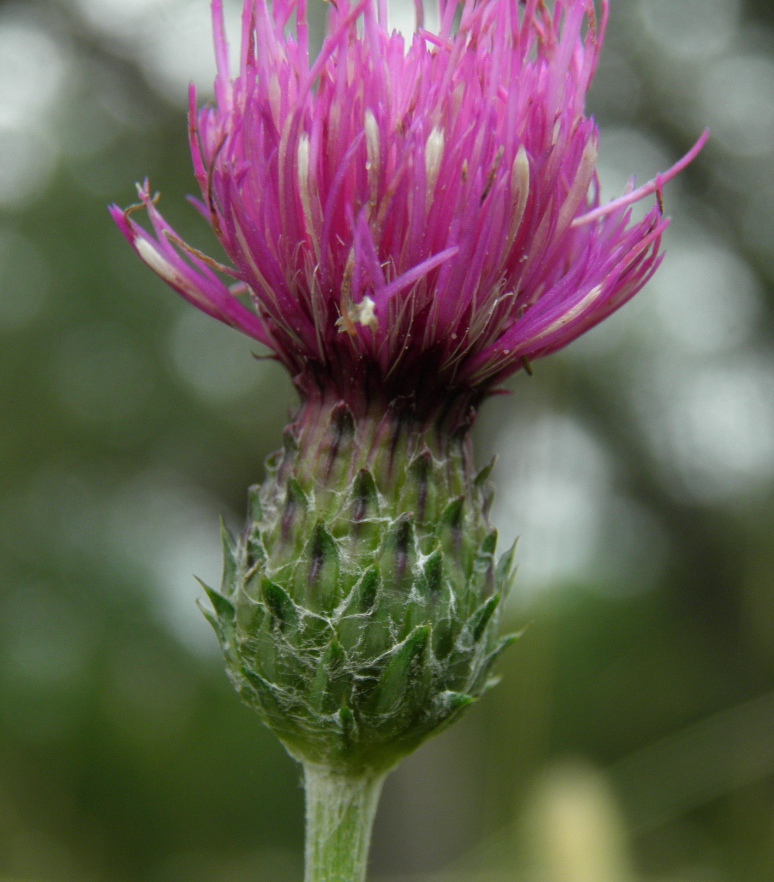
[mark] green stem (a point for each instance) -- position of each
(340, 812)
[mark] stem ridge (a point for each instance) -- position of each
(340, 811)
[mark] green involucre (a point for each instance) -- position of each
(359, 609)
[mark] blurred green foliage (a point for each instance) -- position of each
(633, 734)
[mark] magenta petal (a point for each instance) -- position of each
(403, 207)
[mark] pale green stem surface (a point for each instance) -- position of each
(340, 812)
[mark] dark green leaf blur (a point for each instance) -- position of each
(632, 736)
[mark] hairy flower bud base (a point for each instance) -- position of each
(359, 609)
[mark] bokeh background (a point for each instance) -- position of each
(632, 737)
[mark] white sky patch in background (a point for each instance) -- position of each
(711, 426)
(172, 39)
(692, 29)
(625, 152)
(703, 394)
(554, 492)
(29, 160)
(704, 301)
(121, 16)
(98, 114)
(157, 529)
(402, 18)
(34, 70)
(195, 552)
(685, 354)
(549, 479)
(167, 528)
(705, 297)
(736, 100)
(181, 51)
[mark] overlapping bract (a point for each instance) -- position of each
(398, 210)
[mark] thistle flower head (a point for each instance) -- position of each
(412, 216)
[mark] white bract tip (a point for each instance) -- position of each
(580, 185)
(304, 190)
(167, 270)
(580, 307)
(303, 160)
(519, 191)
(158, 263)
(372, 149)
(433, 157)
